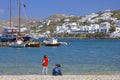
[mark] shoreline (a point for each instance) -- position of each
(63, 77)
(89, 38)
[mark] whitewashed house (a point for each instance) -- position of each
(116, 33)
(83, 19)
(61, 29)
(106, 15)
(94, 28)
(48, 23)
(117, 23)
(104, 27)
(66, 20)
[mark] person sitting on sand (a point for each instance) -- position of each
(57, 70)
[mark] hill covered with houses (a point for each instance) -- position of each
(104, 24)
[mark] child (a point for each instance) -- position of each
(57, 70)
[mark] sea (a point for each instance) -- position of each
(80, 56)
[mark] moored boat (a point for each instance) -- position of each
(11, 33)
(18, 44)
(32, 44)
(51, 42)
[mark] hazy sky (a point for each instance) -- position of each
(45, 8)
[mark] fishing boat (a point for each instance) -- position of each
(51, 42)
(32, 44)
(11, 33)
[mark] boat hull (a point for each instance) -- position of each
(35, 44)
(17, 46)
(48, 44)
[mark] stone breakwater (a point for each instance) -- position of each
(64, 77)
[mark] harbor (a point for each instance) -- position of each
(81, 57)
(47, 42)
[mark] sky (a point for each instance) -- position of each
(46, 8)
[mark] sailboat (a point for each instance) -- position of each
(12, 33)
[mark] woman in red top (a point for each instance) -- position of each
(45, 65)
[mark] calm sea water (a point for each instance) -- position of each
(82, 56)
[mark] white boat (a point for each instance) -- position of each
(15, 45)
(9, 34)
(51, 42)
(18, 44)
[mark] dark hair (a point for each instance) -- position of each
(45, 56)
(58, 65)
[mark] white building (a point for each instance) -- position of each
(72, 28)
(61, 29)
(117, 23)
(116, 33)
(104, 27)
(106, 15)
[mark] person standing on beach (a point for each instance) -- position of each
(45, 61)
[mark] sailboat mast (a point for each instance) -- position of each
(10, 12)
(19, 16)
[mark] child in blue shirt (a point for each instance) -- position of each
(57, 70)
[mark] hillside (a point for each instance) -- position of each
(59, 19)
(50, 23)
(116, 14)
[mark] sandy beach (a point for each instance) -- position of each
(64, 77)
